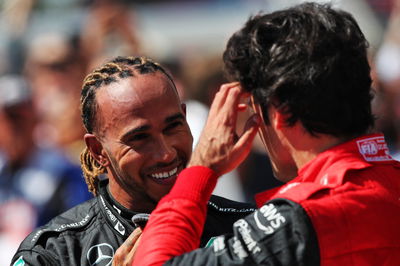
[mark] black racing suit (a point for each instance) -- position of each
(294, 243)
(90, 233)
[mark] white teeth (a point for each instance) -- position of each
(165, 174)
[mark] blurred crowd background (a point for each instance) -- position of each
(48, 46)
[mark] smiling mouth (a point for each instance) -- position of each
(165, 174)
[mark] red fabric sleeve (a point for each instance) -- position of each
(176, 225)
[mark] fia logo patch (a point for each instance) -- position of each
(374, 149)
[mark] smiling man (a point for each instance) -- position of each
(139, 141)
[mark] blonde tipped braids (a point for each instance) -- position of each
(91, 170)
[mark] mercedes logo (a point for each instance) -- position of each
(101, 254)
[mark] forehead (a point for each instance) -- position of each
(140, 86)
(143, 96)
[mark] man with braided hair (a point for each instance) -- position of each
(137, 142)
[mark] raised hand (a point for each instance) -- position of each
(219, 147)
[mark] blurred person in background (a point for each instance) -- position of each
(55, 69)
(109, 29)
(36, 183)
(137, 142)
(387, 65)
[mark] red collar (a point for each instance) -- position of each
(330, 166)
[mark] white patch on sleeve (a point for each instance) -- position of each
(245, 231)
(238, 249)
(270, 220)
(219, 244)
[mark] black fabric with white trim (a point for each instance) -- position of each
(92, 231)
(279, 233)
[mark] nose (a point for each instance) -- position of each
(165, 151)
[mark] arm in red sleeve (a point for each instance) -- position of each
(175, 226)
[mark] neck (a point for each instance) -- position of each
(311, 146)
(133, 201)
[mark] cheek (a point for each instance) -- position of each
(188, 139)
(274, 149)
(131, 163)
(185, 143)
(183, 140)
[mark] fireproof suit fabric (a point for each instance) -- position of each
(90, 233)
(342, 209)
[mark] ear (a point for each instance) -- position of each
(257, 109)
(183, 106)
(96, 149)
(278, 118)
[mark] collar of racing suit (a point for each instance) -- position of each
(329, 168)
(117, 216)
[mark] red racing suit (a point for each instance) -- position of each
(349, 195)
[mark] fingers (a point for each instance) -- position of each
(244, 143)
(221, 95)
(227, 100)
(132, 253)
(126, 252)
(233, 97)
(134, 236)
(219, 143)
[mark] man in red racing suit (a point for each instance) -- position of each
(350, 198)
(341, 203)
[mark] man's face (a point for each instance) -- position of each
(145, 136)
(282, 162)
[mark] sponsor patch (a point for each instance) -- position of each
(73, 225)
(210, 241)
(271, 217)
(219, 244)
(117, 224)
(238, 249)
(245, 231)
(19, 262)
(374, 149)
(120, 228)
(222, 209)
(61, 227)
(101, 254)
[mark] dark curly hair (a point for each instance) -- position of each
(310, 61)
(112, 71)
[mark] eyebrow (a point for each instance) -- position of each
(169, 119)
(135, 131)
(177, 116)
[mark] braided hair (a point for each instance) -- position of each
(116, 69)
